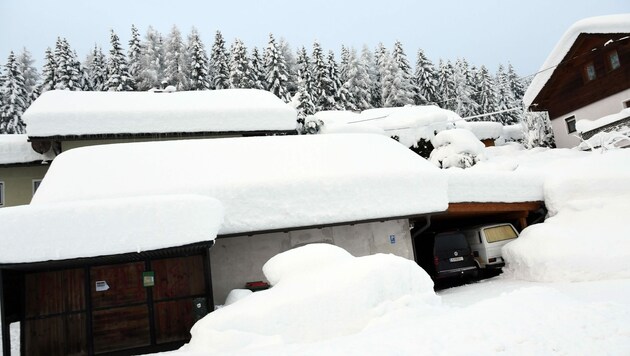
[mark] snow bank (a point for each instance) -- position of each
(99, 227)
(237, 294)
(456, 148)
(586, 235)
(17, 149)
(231, 110)
(338, 297)
(483, 130)
(264, 183)
(619, 23)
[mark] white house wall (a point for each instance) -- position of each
(611, 105)
(238, 260)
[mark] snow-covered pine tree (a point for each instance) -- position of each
(367, 63)
(305, 105)
(49, 78)
(462, 78)
(219, 68)
(346, 97)
(134, 55)
(398, 87)
(484, 93)
(357, 81)
(66, 72)
(381, 62)
(321, 79)
(152, 61)
(516, 83)
(290, 62)
(29, 73)
(337, 100)
(97, 69)
(425, 77)
(239, 65)
(84, 83)
(256, 73)
(199, 71)
(118, 78)
(446, 86)
(276, 73)
(505, 98)
(14, 98)
(176, 60)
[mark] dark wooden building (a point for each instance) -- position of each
(121, 304)
(586, 77)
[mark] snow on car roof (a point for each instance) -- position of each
(106, 227)
(17, 149)
(619, 23)
(265, 183)
(62, 113)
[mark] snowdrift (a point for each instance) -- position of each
(320, 292)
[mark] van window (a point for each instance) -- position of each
(499, 233)
(450, 242)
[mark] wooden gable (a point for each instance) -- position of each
(569, 87)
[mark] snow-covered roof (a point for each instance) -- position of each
(106, 227)
(409, 123)
(64, 113)
(619, 23)
(513, 132)
(483, 130)
(17, 149)
(590, 125)
(264, 183)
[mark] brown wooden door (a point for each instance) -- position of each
(120, 317)
(55, 313)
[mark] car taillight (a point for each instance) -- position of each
(436, 261)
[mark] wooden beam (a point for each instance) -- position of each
(478, 208)
(6, 334)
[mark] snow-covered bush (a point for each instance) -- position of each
(456, 148)
(312, 125)
(320, 292)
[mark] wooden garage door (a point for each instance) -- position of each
(55, 313)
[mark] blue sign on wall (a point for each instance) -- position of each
(392, 239)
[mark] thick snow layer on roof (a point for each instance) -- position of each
(409, 123)
(106, 227)
(263, 182)
(482, 129)
(619, 23)
(17, 149)
(85, 113)
(513, 132)
(589, 125)
(456, 148)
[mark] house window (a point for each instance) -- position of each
(613, 60)
(570, 121)
(626, 104)
(589, 72)
(36, 183)
(1, 194)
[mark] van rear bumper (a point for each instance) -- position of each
(457, 272)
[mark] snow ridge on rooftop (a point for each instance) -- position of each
(619, 23)
(17, 149)
(61, 113)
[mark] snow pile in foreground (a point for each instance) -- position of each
(17, 149)
(586, 234)
(106, 227)
(456, 148)
(320, 292)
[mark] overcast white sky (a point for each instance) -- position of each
(485, 32)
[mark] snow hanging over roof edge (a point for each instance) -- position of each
(17, 149)
(619, 23)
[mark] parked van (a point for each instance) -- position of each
(486, 242)
(448, 254)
